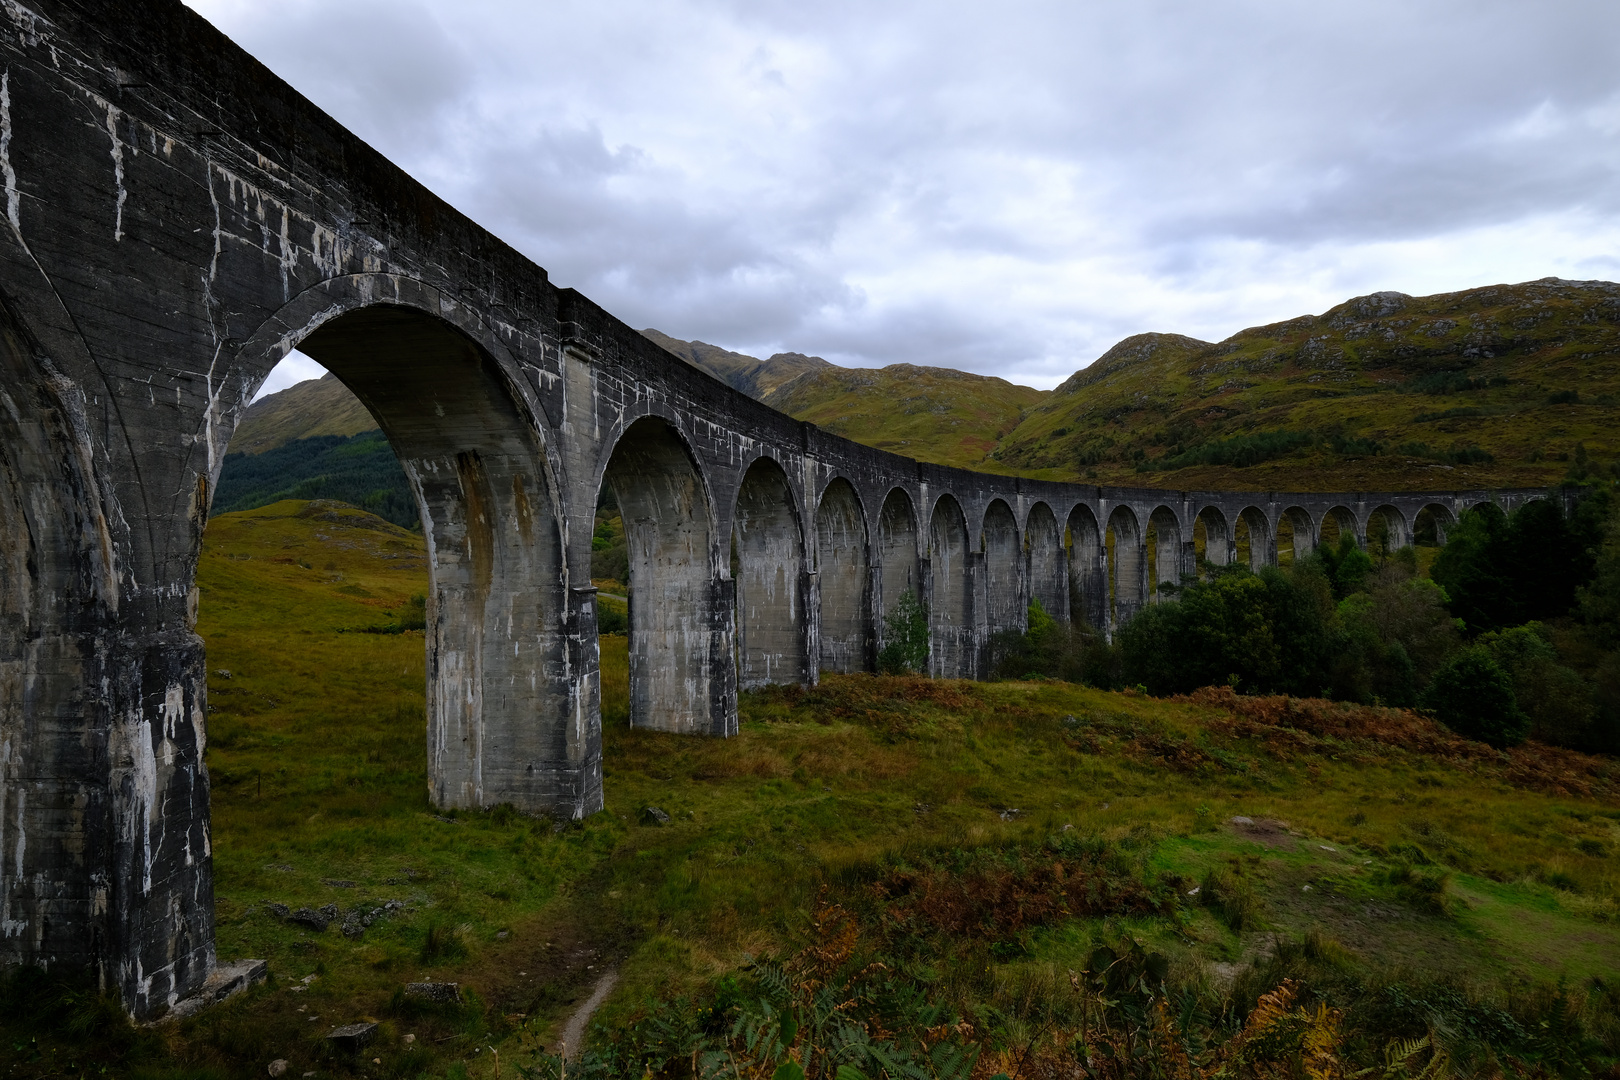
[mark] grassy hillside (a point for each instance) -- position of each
(1489, 387)
(933, 414)
(951, 856)
(306, 410)
(361, 470)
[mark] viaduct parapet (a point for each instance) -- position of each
(176, 220)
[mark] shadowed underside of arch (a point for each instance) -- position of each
(1088, 569)
(949, 629)
(844, 580)
(1003, 577)
(677, 644)
(769, 569)
(497, 700)
(1048, 583)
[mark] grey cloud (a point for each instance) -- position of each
(1008, 188)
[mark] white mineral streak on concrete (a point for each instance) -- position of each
(143, 780)
(289, 255)
(219, 230)
(13, 210)
(28, 26)
(118, 167)
(22, 836)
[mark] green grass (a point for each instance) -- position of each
(317, 758)
(937, 415)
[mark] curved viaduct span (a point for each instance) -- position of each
(177, 219)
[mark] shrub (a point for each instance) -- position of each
(1071, 651)
(1230, 893)
(905, 638)
(611, 616)
(1424, 887)
(1474, 697)
(413, 616)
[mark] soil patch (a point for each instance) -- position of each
(1267, 832)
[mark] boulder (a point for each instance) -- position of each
(440, 993)
(352, 1038)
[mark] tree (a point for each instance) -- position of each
(1346, 567)
(905, 637)
(1473, 570)
(1268, 631)
(1474, 697)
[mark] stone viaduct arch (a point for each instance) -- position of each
(844, 575)
(176, 221)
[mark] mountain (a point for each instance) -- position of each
(749, 374)
(934, 414)
(1491, 387)
(304, 410)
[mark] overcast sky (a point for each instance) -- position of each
(1005, 188)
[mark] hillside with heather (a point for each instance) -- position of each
(1500, 386)
(932, 414)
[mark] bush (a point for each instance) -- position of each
(1230, 893)
(1474, 697)
(905, 638)
(612, 617)
(413, 616)
(1070, 651)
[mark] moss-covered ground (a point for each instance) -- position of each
(1405, 848)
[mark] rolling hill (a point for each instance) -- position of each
(305, 410)
(1490, 387)
(933, 414)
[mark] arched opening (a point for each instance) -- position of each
(1044, 546)
(1127, 561)
(498, 693)
(1252, 543)
(1429, 527)
(1165, 554)
(769, 567)
(899, 558)
(950, 633)
(1386, 532)
(1212, 537)
(1337, 523)
(841, 565)
(1296, 536)
(1088, 569)
(1004, 606)
(679, 639)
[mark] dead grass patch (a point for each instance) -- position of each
(993, 894)
(1276, 720)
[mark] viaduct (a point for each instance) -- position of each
(176, 220)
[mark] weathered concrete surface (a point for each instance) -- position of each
(176, 220)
